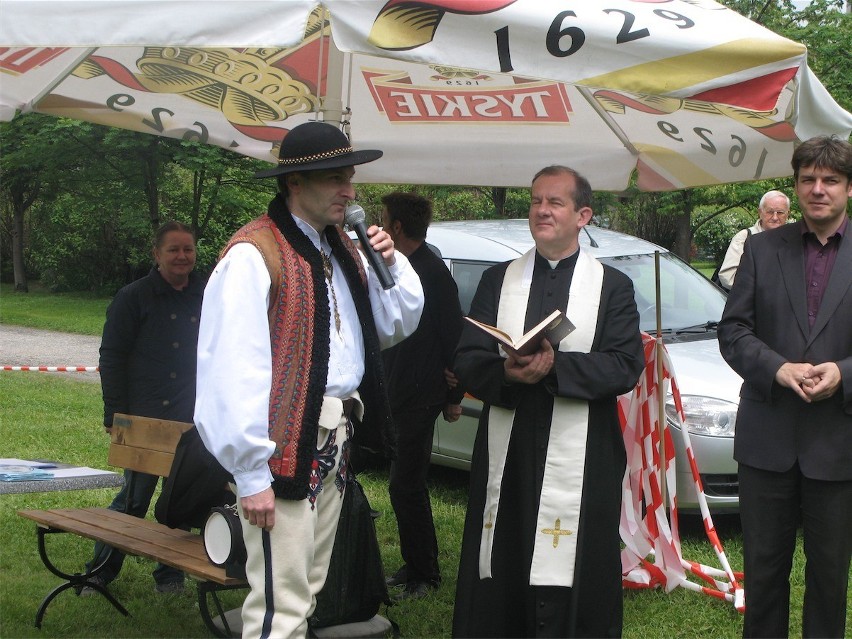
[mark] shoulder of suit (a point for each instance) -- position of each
(785, 231)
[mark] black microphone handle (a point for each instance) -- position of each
(374, 257)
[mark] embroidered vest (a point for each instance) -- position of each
(299, 334)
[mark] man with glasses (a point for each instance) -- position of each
(773, 211)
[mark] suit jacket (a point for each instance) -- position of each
(765, 324)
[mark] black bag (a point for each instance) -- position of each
(355, 587)
(715, 279)
(196, 483)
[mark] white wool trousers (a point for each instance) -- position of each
(287, 566)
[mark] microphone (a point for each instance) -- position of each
(354, 218)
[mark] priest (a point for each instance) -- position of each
(540, 552)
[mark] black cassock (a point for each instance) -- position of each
(505, 605)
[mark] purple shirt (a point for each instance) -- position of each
(819, 261)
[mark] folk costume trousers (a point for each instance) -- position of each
(287, 566)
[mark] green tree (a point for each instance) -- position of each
(39, 155)
(89, 197)
(20, 186)
(212, 190)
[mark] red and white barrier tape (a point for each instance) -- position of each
(54, 369)
(654, 535)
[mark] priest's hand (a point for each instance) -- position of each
(530, 369)
(451, 379)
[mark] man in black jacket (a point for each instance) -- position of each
(418, 369)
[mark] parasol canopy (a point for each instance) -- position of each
(470, 92)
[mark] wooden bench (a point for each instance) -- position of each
(145, 445)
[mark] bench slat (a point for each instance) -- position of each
(144, 444)
(182, 549)
(153, 462)
(147, 432)
(161, 539)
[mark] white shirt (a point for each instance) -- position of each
(234, 376)
(728, 270)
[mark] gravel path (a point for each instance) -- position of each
(20, 346)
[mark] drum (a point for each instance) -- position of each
(223, 540)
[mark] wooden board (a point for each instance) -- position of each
(142, 537)
(144, 444)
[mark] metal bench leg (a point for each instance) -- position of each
(76, 580)
(209, 588)
(71, 584)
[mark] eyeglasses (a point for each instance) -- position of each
(777, 213)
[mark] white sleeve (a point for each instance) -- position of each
(396, 311)
(728, 270)
(235, 368)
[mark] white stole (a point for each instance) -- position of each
(559, 504)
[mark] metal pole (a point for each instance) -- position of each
(661, 399)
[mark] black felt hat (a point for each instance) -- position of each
(313, 146)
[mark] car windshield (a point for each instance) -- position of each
(690, 303)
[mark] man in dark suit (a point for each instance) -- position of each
(787, 330)
(418, 389)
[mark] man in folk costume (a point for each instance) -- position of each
(540, 551)
(288, 358)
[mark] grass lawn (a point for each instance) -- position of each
(705, 268)
(49, 416)
(69, 312)
(42, 415)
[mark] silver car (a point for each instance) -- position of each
(691, 307)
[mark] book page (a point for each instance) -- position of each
(555, 327)
(500, 335)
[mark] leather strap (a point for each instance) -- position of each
(348, 405)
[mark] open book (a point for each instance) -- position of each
(555, 327)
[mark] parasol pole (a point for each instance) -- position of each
(661, 469)
(331, 66)
(60, 77)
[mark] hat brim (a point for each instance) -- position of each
(349, 159)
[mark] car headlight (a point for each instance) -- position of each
(705, 415)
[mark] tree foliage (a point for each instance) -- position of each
(88, 199)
